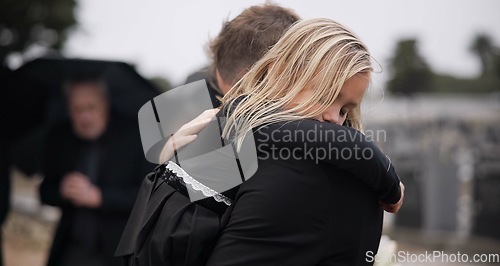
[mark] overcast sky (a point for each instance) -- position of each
(167, 38)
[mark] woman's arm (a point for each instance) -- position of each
(343, 147)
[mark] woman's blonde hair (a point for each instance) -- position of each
(317, 54)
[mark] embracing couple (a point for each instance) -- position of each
(273, 73)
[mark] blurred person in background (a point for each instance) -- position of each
(92, 170)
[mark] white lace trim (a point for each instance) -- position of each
(197, 185)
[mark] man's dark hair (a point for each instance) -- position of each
(245, 39)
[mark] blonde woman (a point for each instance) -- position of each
(318, 195)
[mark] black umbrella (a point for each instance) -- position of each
(32, 96)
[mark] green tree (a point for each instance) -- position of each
(489, 55)
(410, 72)
(26, 22)
(483, 47)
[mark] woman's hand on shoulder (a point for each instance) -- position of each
(186, 134)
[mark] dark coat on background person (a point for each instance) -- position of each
(121, 168)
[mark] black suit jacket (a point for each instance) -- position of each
(122, 167)
(304, 210)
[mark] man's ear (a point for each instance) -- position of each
(223, 85)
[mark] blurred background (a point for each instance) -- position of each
(434, 102)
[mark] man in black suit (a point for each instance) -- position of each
(93, 169)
